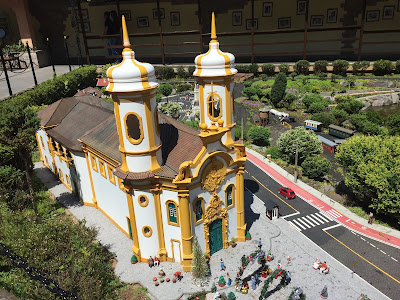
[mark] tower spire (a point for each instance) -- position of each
(213, 29)
(127, 43)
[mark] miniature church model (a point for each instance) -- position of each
(159, 181)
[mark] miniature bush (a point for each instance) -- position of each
(351, 107)
(320, 66)
(165, 89)
(273, 151)
(253, 68)
(278, 88)
(340, 67)
(247, 83)
(316, 166)
(313, 98)
(374, 117)
(340, 115)
(287, 100)
(302, 67)
(268, 69)
(393, 123)
(284, 68)
(242, 68)
(343, 98)
(172, 109)
(293, 75)
(397, 66)
(183, 87)
(191, 70)
(325, 118)
(181, 73)
(259, 135)
(363, 125)
(360, 66)
(167, 73)
(231, 296)
(316, 107)
(382, 67)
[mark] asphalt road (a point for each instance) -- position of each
(377, 263)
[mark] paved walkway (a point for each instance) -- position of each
(276, 236)
(317, 199)
(22, 80)
(6, 296)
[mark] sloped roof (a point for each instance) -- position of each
(92, 120)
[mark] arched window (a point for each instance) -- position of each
(198, 209)
(230, 196)
(134, 131)
(214, 104)
(172, 212)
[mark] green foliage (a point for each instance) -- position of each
(340, 115)
(253, 68)
(308, 144)
(340, 67)
(343, 98)
(165, 72)
(273, 151)
(351, 107)
(221, 280)
(183, 87)
(372, 168)
(172, 109)
(268, 69)
(397, 66)
(213, 288)
(278, 89)
(293, 75)
(316, 166)
(191, 70)
(374, 117)
(316, 107)
(247, 83)
(309, 99)
(165, 89)
(302, 67)
(104, 69)
(284, 68)
(199, 265)
(243, 68)
(325, 118)
(193, 124)
(181, 73)
(382, 67)
(231, 296)
(259, 135)
(134, 258)
(360, 67)
(287, 100)
(158, 97)
(363, 125)
(320, 66)
(393, 123)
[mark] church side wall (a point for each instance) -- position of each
(81, 176)
(146, 217)
(171, 232)
(44, 147)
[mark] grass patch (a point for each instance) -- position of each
(35, 156)
(359, 211)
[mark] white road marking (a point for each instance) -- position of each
(307, 221)
(298, 224)
(333, 226)
(316, 219)
(287, 216)
(300, 220)
(312, 220)
(323, 217)
(297, 228)
(333, 213)
(371, 244)
(362, 238)
(393, 258)
(383, 251)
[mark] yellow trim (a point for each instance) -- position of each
(227, 62)
(154, 165)
(176, 210)
(40, 150)
(67, 180)
(94, 162)
(90, 175)
(111, 176)
(233, 196)
(186, 228)
(141, 153)
(124, 166)
(102, 168)
(145, 203)
(100, 154)
(173, 252)
(60, 174)
(196, 222)
(120, 184)
(125, 35)
(213, 94)
(112, 220)
(47, 162)
(149, 233)
(41, 140)
(240, 221)
(132, 216)
(202, 108)
(129, 138)
(162, 252)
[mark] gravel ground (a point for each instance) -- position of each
(276, 235)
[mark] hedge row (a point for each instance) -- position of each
(340, 67)
(54, 89)
(167, 73)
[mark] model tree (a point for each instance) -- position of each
(221, 281)
(278, 89)
(165, 89)
(199, 265)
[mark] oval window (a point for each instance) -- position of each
(214, 106)
(134, 128)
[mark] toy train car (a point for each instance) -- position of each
(340, 132)
(314, 125)
(327, 144)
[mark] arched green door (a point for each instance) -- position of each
(215, 230)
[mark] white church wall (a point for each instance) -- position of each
(46, 156)
(171, 232)
(63, 166)
(146, 216)
(82, 177)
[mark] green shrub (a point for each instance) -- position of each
(273, 151)
(343, 98)
(320, 66)
(325, 118)
(393, 123)
(183, 87)
(259, 135)
(322, 75)
(104, 69)
(351, 107)
(397, 66)
(382, 67)
(360, 66)
(167, 73)
(287, 100)
(312, 98)
(293, 75)
(191, 70)
(374, 117)
(181, 73)
(253, 68)
(278, 88)
(165, 89)
(284, 68)
(193, 124)
(158, 97)
(231, 296)
(316, 107)
(302, 67)
(340, 67)
(316, 166)
(340, 115)
(363, 125)
(247, 83)
(243, 68)
(268, 69)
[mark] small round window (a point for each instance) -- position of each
(143, 200)
(134, 128)
(147, 231)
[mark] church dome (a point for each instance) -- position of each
(130, 75)
(214, 62)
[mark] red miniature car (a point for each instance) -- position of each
(286, 192)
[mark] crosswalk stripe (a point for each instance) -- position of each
(297, 228)
(300, 220)
(307, 221)
(316, 219)
(322, 217)
(312, 220)
(298, 224)
(333, 213)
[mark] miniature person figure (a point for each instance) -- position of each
(324, 292)
(161, 273)
(253, 283)
(150, 261)
(323, 267)
(316, 264)
(245, 287)
(156, 262)
(279, 265)
(243, 260)
(229, 282)
(371, 216)
(289, 260)
(288, 277)
(257, 278)
(259, 243)
(222, 265)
